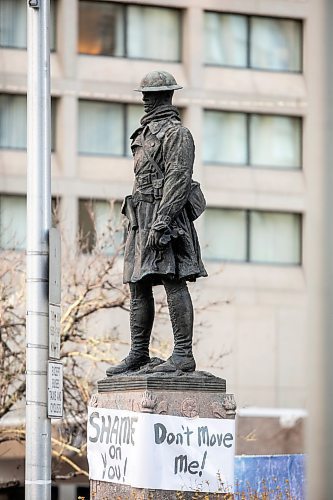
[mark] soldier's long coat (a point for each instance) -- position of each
(171, 146)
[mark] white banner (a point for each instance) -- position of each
(161, 451)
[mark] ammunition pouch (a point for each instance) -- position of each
(158, 188)
(196, 202)
(128, 209)
(144, 180)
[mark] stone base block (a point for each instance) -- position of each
(108, 491)
(197, 394)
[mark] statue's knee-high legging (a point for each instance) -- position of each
(143, 312)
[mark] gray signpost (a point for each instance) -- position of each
(38, 424)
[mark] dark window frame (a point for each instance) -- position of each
(248, 43)
(248, 145)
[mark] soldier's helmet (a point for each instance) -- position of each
(157, 81)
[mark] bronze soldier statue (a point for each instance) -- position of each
(162, 245)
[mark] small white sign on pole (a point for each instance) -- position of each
(161, 451)
(54, 331)
(55, 389)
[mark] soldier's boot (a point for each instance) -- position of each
(141, 323)
(181, 315)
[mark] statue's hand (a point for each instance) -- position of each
(154, 239)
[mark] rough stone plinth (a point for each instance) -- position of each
(109, 491)
(196, 382)
(197, 394)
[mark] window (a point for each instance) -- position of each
(13, 216)
(13, 24)
(101, 128)
(252, 236)
(153, 33)
(225, 137)
(274, 237)
(275, 141)
(101, 224)
(253, 42)
(275, 44)
(225, 234)
(133, 117)
(55, 212)
(105, 127)
(101, 28)
(13, 121)
(225, 39)
(12, 222)
(252, 139)
(134, 31)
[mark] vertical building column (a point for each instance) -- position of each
(66, 123)
(193, 119)
(67, 111)
(193, 40)
(66, 134)
(193, 54)
(67, 35)
(319, 248)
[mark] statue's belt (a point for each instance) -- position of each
(138, 196)
(149, 179)
(149, 186)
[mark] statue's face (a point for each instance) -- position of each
(151, 100)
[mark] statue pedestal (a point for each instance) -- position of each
(197, 394)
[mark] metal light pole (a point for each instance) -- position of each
(38, 425)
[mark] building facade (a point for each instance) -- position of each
(244, 69)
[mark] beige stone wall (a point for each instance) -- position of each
(263, 325)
